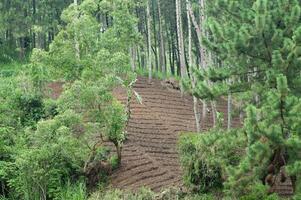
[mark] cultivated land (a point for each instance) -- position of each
(150, 156)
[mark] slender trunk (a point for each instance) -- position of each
(149, 61)
(155, 49)
(241, 113)
(204, 112)
(138, 57)
(192, 78)
(180, 39)
(214, 113)
(229, 111)
(118, 151)
(162, 57)
(77, 48)
(22, 48)
(201, 49)
(132, 52)
(34, 22)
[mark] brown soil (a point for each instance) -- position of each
(56, 89)
(150, 156)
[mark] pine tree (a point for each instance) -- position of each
(258, 43)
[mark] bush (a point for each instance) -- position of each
(114, 162)
(206, 157)
(30, 108)
(198, 174)
(47, 158)
(50, 108)
(259, 191)
(73, 192)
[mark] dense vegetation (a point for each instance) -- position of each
(244, 52)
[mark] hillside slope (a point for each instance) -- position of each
(150, 155)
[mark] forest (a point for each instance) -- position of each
(150, 99)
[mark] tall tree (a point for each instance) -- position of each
(180, 39)
(259, 49)
(162, 55)
(77, 48)
(149, 42)
(191, 67)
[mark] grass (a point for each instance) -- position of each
(9, 69)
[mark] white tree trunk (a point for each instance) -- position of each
(149, 60)
(161, 48)
(77, 48)
(229, 111)
(180, 39)
(202, 52)
(195, 100)
(214, 113)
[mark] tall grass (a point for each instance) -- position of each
(73, 192)
(9, 69)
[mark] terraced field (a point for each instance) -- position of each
(150, 155)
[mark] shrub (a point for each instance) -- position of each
(259, 191)
(30, 108)
(50, 108)
(47, 158)
(205, 158)
(73, 192)
(199, 174)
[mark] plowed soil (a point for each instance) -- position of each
(150, 156)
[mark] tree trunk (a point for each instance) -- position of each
(229, 111)
(162, 57)
(180, 40)
(77, 48)
(132, 52)
(149, 61)
(118, 151)
(201, 49)
(192, 78)
(214, 113)
(155, 49)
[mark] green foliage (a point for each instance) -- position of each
(50, 156)
(73, 192)
(30, 107)
(100, 52)
(24, 25)
(255, 45)
(50, 108)
(259, 191)
(205, 158)
(38, 72)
